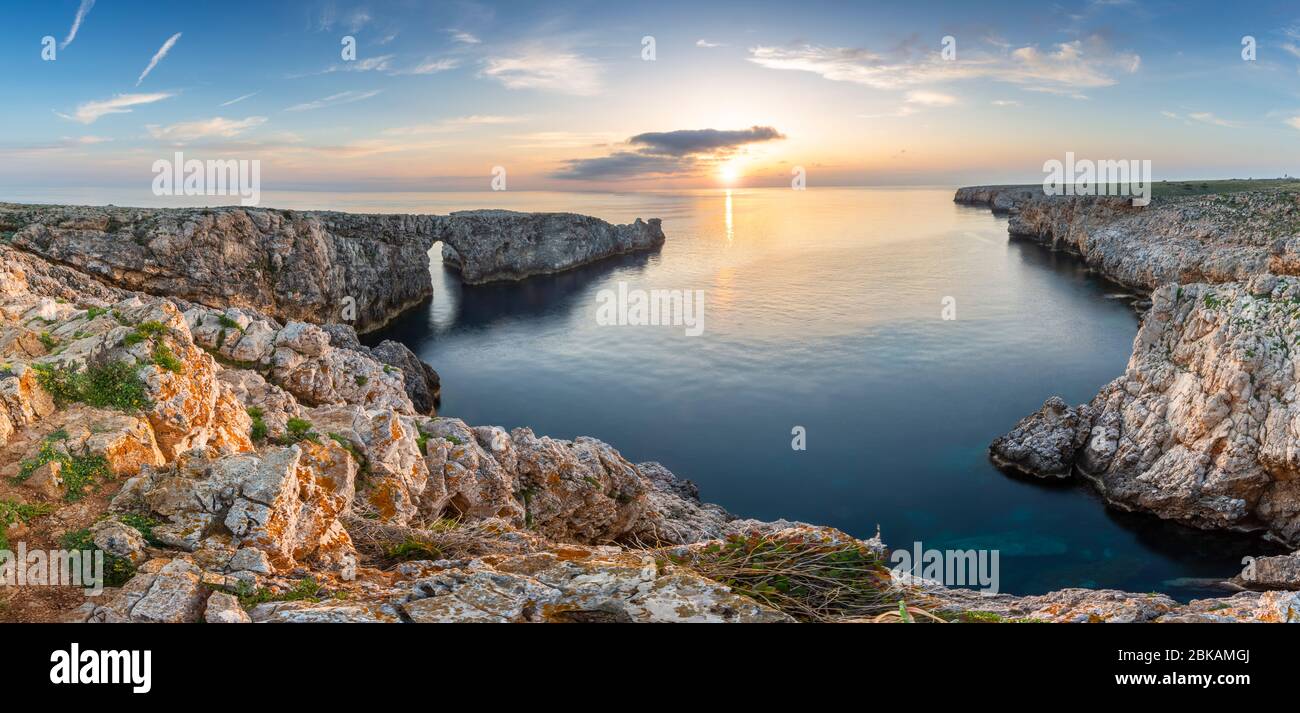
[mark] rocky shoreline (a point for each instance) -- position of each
(237, 465)
(316, 266)
(1202, 426)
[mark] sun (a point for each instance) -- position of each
(728, 173)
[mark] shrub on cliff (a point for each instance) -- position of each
(107, 384)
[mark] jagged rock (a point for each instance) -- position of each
(581, 586)
(223, 608)
(421, 381)
(47, 481)
(397, 474)
(306, 265)
(119, 539)
(1044, 443)
(674, 513)
(162, 591)
(285, 502)
(305, 365)
(324, 613)
(1255, 607)
(1280, 572)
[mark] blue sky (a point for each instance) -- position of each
(560, 95)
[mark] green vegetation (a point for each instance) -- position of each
(94, 312)
(48, 341)
(413, 548)
(805, 577)
(142, 524)
(297, 429)
(306, 590)
(164, 358)
(422, 440)
(228, 323)
(79, 471)
(117, 570)
(259, 431)
(108, 384)
(360, 379)
(145, 330)
(12, 511)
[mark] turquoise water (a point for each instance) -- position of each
(823, 309)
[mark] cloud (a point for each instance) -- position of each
(1204, 117)
(1293, 122)
(358, 19)
(1005, 102)
(708, 45)
(625, 164)
(680, 152)
(158, 56)
(453, 124)
(928, 98)
(431, 66)
(464, 38)
(236, 100)
(334, 100)
(1065, 69)
(91, 111)
(82, 11)
(694, 141)
(216, 126)
(539, 69)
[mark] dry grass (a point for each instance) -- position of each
(805, 576)
(387, 544)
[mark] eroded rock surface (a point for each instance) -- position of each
(314, 266)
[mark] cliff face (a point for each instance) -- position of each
(1202, 239)
(1201, 428)
(309, 265)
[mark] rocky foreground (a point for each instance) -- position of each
(234, 466)
(317, 266)
(1204, 425)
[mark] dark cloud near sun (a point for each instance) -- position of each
(666, 153)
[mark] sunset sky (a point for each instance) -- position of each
(559, 94)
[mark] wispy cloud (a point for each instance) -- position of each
(158, 56)
(236, 100)
(206, 128)
(454, 124)
(464, 38)
(91, 111)
(334, 100)
(1293, 122)
(1065, 69)
(82, 11)
(929, 98)
(707, 45)
(1203, 117)
(545, 70)
(431, 66)
(679, 152)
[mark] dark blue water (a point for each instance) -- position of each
(824, 310)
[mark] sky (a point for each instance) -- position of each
(620, 96)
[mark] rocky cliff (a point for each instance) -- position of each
(234, 468)
(1201, 426)
(313, 266)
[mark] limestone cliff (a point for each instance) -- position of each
(314, 266)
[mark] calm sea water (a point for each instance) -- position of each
(822, 310)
